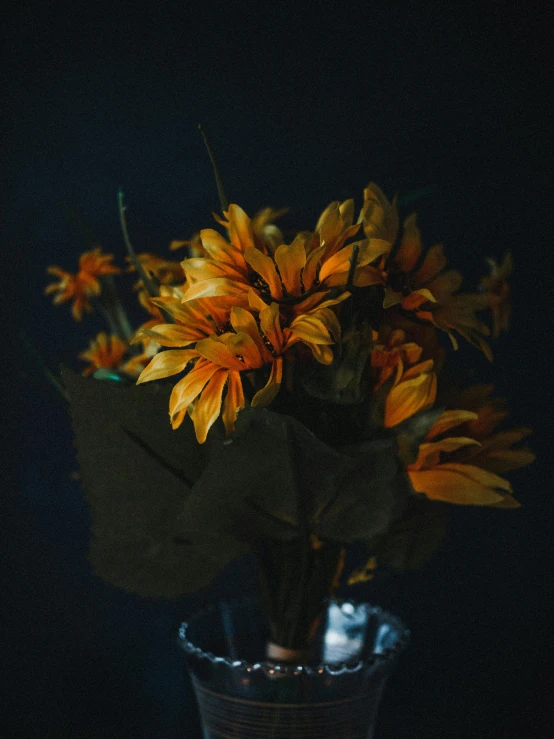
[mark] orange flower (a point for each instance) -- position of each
(463, 470)
(414, 390)
(104, 352)
(297, 275)
(253, 341)
(411, 285)
(81, 286)
(497, 287)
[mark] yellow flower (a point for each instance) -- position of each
(414, 390)
(81, 286)
(104, 352)
(227, 343)
(296, 275)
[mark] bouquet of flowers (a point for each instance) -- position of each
(310, 405)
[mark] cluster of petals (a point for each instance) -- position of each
(229, 340)
(80, 287)
(296, 275)
(422, 284)
(464, 468)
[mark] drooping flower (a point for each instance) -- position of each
(83, 285)
(466, 468)
(497, 287)
(228, 342)
(105, 352)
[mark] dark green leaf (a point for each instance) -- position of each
(137, 474)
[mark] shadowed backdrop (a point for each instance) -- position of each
(448, 107)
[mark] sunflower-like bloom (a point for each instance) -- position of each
(296, 275)
(81, 286)
(229, 342)
(414, 390)
(104, 352)
(497, 286)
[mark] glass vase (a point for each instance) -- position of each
(333, 694)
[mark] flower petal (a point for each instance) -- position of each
(265, 267)
(240, 231)
(434, 262)
(188, 389)
(452, 486)
(220, 250)
(208, 407)
(448, 420)
(409, 397)
(271, 327)
(410, 245)
(291, 260)
(234, 401)
(264, 396)
(166, 364)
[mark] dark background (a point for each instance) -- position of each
(303, 108)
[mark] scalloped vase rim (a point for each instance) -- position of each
(272, 667)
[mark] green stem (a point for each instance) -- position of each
(217, 174)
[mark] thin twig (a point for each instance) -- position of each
(217, 174)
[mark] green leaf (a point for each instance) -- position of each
(138, 474)
(252, 481)
(372, 490)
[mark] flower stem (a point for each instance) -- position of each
(217, 174)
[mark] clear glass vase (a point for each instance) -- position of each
(333, 694)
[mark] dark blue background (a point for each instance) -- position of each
(303, 108)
